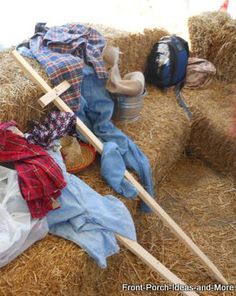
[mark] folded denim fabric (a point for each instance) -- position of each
(111, 157)
(89, 219)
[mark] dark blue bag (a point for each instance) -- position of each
(167, 65)
(167, 62)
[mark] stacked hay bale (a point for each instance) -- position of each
(18, 94)
(203, 30)
(225, 58)
(213, 36)
(58, 266)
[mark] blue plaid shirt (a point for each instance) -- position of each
(63, 52)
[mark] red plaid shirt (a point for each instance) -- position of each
(40, 178)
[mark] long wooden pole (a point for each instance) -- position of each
(144, 195)
(153, 263)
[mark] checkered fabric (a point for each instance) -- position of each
(64, 51)
(40, 178)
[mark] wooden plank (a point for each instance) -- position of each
(53, 94)
(153, 263)
(144, 195)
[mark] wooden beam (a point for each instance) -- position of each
(153, 263)
(144, 195)
(53, 94)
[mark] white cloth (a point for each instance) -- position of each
(18, 231)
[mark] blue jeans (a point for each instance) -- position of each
(96, 108)
(89, 219)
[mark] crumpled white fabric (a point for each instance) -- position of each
(18, 231)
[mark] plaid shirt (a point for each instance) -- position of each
(40, 178)
(64, 51)
(56, 125)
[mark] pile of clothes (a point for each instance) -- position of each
(37, 194)
(78, 54)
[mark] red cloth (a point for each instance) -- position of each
(40, 177)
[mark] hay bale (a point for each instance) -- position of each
(163, 131)
(213, 37)
(212, 145)
(203, 203)
(18, 94)
(53, 265)
(213, 108)
(225, 58)
(136, 48)
(203, 30)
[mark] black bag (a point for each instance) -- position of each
(167, 65)
(167, 62)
